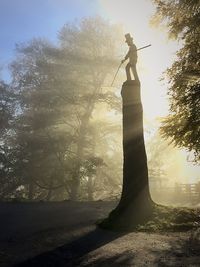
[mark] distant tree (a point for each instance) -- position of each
(182, 17)
(157, 152)
(5, 107)
(9, 182)
(102, 171)
(39, 141)
(161, 159)
(90, 48)
(59, 89)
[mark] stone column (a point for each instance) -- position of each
(135, 204)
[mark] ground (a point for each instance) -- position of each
(64, 234)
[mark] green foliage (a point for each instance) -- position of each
(183, 124)
(162, 219)
(59, 88)
(172, 219)
(7, 104)
(9, 182)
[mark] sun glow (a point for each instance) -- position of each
(152, 62)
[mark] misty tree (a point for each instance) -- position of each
(103, 171)
(41, 144)
(59, 88)
(182, 124)
(158, 151)
(90, 48)
(9, 182)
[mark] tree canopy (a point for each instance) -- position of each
(182, 125)
(58, 90)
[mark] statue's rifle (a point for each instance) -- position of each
(116, 73)
(122, 63)
(143, 47)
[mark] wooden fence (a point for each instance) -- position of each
(180, 193)
(188, 192)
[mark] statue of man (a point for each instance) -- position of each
(132, 56)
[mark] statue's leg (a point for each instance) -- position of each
(134, 70)
(128, 73)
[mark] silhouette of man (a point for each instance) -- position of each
(132, 56)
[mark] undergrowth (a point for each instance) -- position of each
(172, 219)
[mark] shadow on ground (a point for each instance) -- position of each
(40, 230)
(103, 248)
(74, 253)
(181, 253)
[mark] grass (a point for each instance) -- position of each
(172, 219)
(162, 219)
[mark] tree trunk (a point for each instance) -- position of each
(90, 188)
(75, 185)
(135, 205)
(31, 188)
(50, 190)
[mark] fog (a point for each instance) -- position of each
(61, 135)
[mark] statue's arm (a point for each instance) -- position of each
(126, 57)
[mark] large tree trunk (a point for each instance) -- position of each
(135, 205)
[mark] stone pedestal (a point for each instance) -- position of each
(135, 170)
(135, 203)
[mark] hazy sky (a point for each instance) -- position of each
(22, 20)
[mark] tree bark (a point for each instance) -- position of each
(135, 205)
(90, 188)
(31, 189)
(75, 184)
(50, 190)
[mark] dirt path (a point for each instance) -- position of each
(64, 234)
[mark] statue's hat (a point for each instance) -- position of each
(128, 37)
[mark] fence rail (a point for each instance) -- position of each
(181, 193)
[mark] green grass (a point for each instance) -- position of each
(162, 219)
(172, 219)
